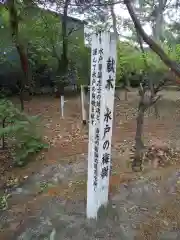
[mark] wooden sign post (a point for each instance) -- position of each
(102, 89)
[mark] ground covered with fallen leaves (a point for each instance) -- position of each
(47, 198)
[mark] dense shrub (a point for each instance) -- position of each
(19, 132)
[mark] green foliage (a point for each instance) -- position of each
(20, 131)
(4, 202)
(9, 58)
(130, 59)
(40, 33)
(82, 60)
(173, 51)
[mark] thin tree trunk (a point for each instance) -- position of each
(64, 57)
(63, 61)
(14, 23)
(64, 36)
(159, 20)
(139, 146)
(126, 88)
(139, 130)
(21, 97)
(125, 94)
(114, 21)
(3, 137)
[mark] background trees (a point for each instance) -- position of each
(41, 34)
(44, 48)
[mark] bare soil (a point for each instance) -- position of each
(50, 198)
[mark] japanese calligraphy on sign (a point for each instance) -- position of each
(93, 84)
(93, 153)
(97, 113)
(103, 70)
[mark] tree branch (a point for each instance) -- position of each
(152, 44)
(73, 30)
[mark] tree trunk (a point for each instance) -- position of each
(113, 15)
(136, 165)
(64, 57)
(63, 61)
(21, 97)
(126, 88)
(159, 20)
(14, 24)
(139, 146)
(3, 136)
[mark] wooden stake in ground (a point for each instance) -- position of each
(62, 106)
(103, 72)
(84, 114)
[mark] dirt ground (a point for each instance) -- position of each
(48, 201)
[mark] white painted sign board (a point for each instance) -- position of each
(62, 106)
(102, 89)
